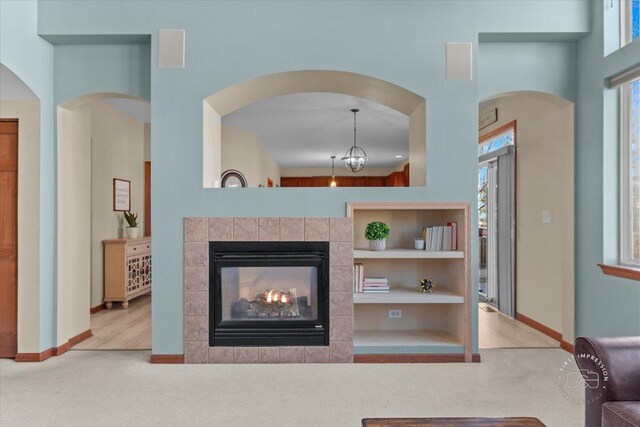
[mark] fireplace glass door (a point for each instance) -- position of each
(269, 293)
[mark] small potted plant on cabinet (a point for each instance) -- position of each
(132, 224)
(377, 233)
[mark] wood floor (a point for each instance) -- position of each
(119, 329)
(499, 331)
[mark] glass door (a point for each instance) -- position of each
(487, 236)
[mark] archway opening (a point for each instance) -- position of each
(103, 149)
(526, 220)
(358, 86)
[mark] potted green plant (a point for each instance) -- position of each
(377, 233)
(132, 224)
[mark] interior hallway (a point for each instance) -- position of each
(498, 331)
(123, 388)
(119, 329)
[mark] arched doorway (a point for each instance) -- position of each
(526, 215)
(103, 143)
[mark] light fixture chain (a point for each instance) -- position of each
(355, 144)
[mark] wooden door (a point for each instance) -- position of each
(8, 238)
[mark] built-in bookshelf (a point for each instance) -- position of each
(436, 325)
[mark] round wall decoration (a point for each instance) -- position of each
(233, 179)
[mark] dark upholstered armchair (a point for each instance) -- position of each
(616, 400)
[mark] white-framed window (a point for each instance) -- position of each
(630, 174)
(629, 142)
(629, 21)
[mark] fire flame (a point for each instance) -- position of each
(274, 296)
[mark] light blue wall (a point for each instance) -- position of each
(31, 59)
(402, 42)
(84, 69)
(531, 66)
(605, 305)
(231, 42)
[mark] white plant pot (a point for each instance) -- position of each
(378, 245)
(132, 232)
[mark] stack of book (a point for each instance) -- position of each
(441, 238)
(376, 285)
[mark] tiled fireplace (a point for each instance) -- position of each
(268, 290)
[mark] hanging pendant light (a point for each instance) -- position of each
(333, 182)
(355, 158)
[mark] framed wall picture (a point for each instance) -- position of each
(487, 117)
(121, 195)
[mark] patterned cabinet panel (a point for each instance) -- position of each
(145, 271)
(134, 267)
(127, 269)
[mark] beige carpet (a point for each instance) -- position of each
(120, 388)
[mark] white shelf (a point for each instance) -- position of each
(410, 341)
(409, 296)
(406, 254)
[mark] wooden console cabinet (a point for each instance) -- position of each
(127, 269)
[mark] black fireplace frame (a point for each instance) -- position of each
(265, 332)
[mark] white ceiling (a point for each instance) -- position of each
(11, 87)
(139, 110)
(306, 129)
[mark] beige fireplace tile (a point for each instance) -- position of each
(245, 229)
(220, 354)
(340, 328)
(268, 229)
(196, 352)
(341, 303)
(341, 351)
(341, 278)
(316, 355)
(196, 303)
(196, 278)
(196, 254)
(245, 354)
(341, 229)
(269, 354)
(196, 230)
(292, 229)
(291, 354)
(316, 229)
(196, 328)
(221, 229)
(341, 253)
